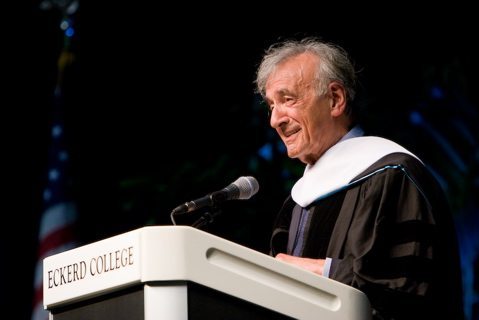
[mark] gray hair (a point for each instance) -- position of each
(334, 65)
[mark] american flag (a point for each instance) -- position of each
(56, 232)
(58, 218)
(59, 215)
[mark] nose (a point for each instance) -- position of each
(277, 116)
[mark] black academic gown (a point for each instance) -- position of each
(390, 235)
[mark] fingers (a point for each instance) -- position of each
(314, 265)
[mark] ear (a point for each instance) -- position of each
(338, 98)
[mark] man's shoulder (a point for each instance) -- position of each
(402, 166)
(396, 159)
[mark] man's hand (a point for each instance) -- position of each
(314, 265)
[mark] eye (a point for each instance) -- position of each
(288, 100)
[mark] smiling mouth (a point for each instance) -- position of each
(289, 133)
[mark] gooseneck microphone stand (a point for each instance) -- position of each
(206, 218)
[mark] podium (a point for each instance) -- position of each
(179, 272)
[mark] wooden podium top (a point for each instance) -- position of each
(173, 253)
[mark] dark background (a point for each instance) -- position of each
(160, 109)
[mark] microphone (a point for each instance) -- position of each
(243, 188)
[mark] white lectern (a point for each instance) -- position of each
(178, 272)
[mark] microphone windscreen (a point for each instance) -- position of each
(248, 187)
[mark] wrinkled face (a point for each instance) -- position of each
(302, 119)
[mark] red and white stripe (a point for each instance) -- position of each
(56, 235)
